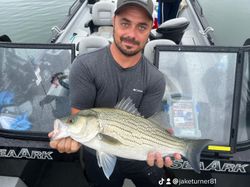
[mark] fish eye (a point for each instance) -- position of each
(71, 120)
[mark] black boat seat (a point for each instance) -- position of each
(172, 29)
(91, 43)
(101, 23)
(149, 50)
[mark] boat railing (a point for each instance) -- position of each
(57, 31)
(207, 29)
(74, 6)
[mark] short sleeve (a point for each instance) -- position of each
(81, 86)
(151, 102)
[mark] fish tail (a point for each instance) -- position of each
(194, 150)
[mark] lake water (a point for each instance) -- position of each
(32, 20)
(230, 20)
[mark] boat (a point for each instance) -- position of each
(210, 99)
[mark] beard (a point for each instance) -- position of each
(127, 51)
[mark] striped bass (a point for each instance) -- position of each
(123, 132)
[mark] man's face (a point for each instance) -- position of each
(132, 27)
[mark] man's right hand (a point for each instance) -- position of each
(64, 145)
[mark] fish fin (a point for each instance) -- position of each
(194, 150)
(128, 106)
(107, 162)
(161, 119)
(88, 113)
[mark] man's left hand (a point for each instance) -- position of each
(156, 159)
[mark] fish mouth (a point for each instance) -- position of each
(57, 124)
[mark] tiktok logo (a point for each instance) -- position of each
(161, 181)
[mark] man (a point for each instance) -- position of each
(102, 78)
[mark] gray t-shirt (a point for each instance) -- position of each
(97, 80)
